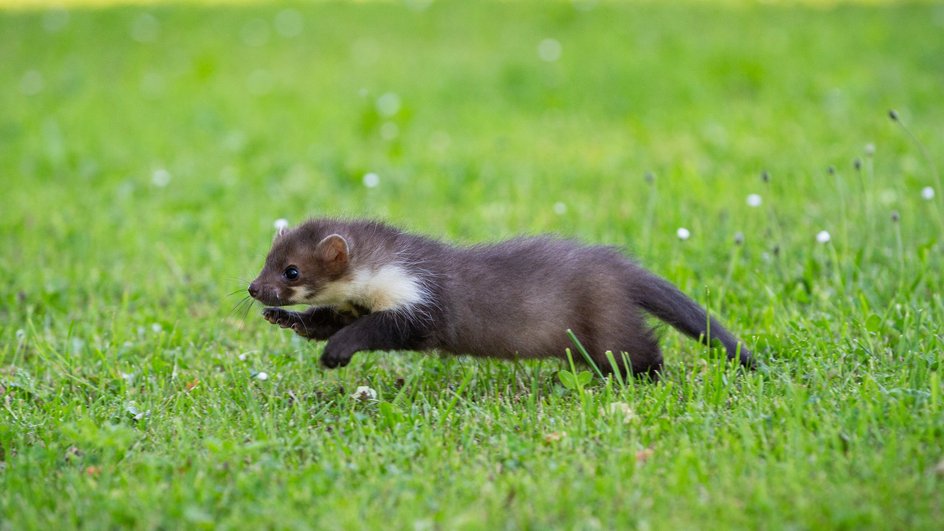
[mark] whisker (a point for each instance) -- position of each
(236, 292)
(304, 325)
(248, 307)
(238, 305)
(235, 307)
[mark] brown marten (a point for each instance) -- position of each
(374, 287)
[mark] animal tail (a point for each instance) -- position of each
(663, 300)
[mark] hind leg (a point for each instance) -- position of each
(612, 321)
(636, 353)
(646, 360)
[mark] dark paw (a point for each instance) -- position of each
(293, 320)
(332, 360)
(283, 318)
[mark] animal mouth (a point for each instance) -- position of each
(270, 301)
(266, 296)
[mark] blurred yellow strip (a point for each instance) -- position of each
(69, 4)
(46, 4)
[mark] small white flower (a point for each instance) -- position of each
(280, 224)
(622, 411)
(160, 177)
(549, 50)
(31, 83)
(54, 20)
(289, 23)
(255, 33)
(560, 208)
(156, 328)
(262, 376)
(371, 180)
(927, 193)
(364, 393)
(440, 141)
(152, 84)
(754, 200)
(870, 149)
(260, 82)
(242, 357)
(887, 196)
(738, 238)
(389, 131)
(388, 104)
(822, 236)
(683, 233)
(145, 28)
(418, 5)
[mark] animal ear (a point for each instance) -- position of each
(333, 250)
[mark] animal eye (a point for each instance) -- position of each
(291, 272)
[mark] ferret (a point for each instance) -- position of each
(374, 287)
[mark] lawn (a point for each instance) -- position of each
(146, 151)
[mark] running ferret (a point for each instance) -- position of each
(374, 287)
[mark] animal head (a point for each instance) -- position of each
(302, 267)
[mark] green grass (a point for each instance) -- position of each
(128, 389)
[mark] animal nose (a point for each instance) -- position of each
(253, 290)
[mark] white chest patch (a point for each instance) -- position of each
(390, 287)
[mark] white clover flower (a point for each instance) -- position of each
(260, 82)
(364, 393)
(262, 376)
(54, 20)
(549, 50)
(870, 149)
(887, 196)
(389, 131)
(388, 104)
(160, 177)
(927, 193)
(145, 28)
(683, 233)
(822, 236)
(754, 200)
(156, 328)
(371, 180)
(255, 33)
(280, 224)
(622, 411)
(560, 208)
(31, 83)
(418, 5)
(289, 23)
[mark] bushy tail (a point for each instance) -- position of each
(663, 300)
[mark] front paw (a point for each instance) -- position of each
(283, 318)
(334, 357)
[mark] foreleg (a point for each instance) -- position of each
(314, 323)
(378, 331)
